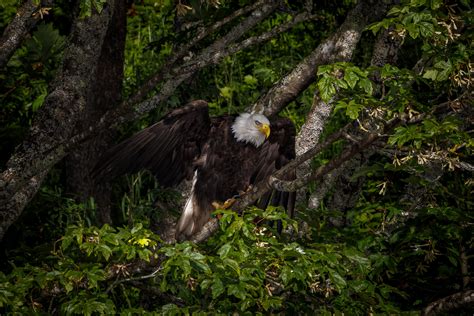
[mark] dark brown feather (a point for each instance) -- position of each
(167, 148)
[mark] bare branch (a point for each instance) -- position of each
(207, 231)
(182, 50)
(323, 170)
(449, 303)
(209, 55)
(464, 268)
(313, 151)
(135, 278)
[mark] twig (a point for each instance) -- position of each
(137, 278)
(464, 268)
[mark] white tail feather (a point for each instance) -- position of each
(185, 227)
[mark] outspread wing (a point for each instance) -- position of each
(277, 152)
(167, 148)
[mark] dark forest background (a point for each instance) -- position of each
(380, 93)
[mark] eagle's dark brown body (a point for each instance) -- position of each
(189, 144)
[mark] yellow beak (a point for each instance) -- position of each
(265, 129)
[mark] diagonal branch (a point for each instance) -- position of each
(17, 30)
(182, 50)
(450, 303)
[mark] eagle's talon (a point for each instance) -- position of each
(223, 206)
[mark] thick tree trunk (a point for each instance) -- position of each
(57, 118)
(105, 94)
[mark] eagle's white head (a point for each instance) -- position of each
(251, 128)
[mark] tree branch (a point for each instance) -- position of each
(17, 30)
(136, 278)
(211, 55)
(338, 47)
(449, 303)
(347, 154)
(182, 50)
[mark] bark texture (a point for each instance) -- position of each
(385, 52)
(56, 120)
(17, 30)
(104, 95)
(340, 47)
(450, 303)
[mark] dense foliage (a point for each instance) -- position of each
(405, 242)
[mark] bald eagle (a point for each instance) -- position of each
(223, 156)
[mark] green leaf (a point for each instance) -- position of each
(338, 280)
(445, 69)
(326, 88)
(351, 78)
(217, 287)
(232, 264)
(250, 80)
(431, 74)
(353, 109)
(366, 85)
(413, 30)
(324, 69)
(226, 92)
(38, 102)
(105, 251)
(224, 250)
(136, 228)
(426, 29)
(237, 291)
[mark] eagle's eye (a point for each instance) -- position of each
(257, 122)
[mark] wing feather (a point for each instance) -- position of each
(167, 148)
